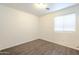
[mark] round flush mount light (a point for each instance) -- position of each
(41, 5)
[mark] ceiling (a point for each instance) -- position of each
(29, 7)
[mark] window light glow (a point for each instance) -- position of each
(65, 23)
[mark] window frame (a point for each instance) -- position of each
(73, 30)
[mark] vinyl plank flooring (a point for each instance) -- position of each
(40, 47)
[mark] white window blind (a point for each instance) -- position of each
(65, 23)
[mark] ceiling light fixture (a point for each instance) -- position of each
(41, 5)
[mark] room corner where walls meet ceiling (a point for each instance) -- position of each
(38, 11)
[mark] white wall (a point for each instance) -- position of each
(16, 27)
(69, 39)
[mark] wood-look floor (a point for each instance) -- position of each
(39, 47)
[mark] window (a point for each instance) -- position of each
(65, 23)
